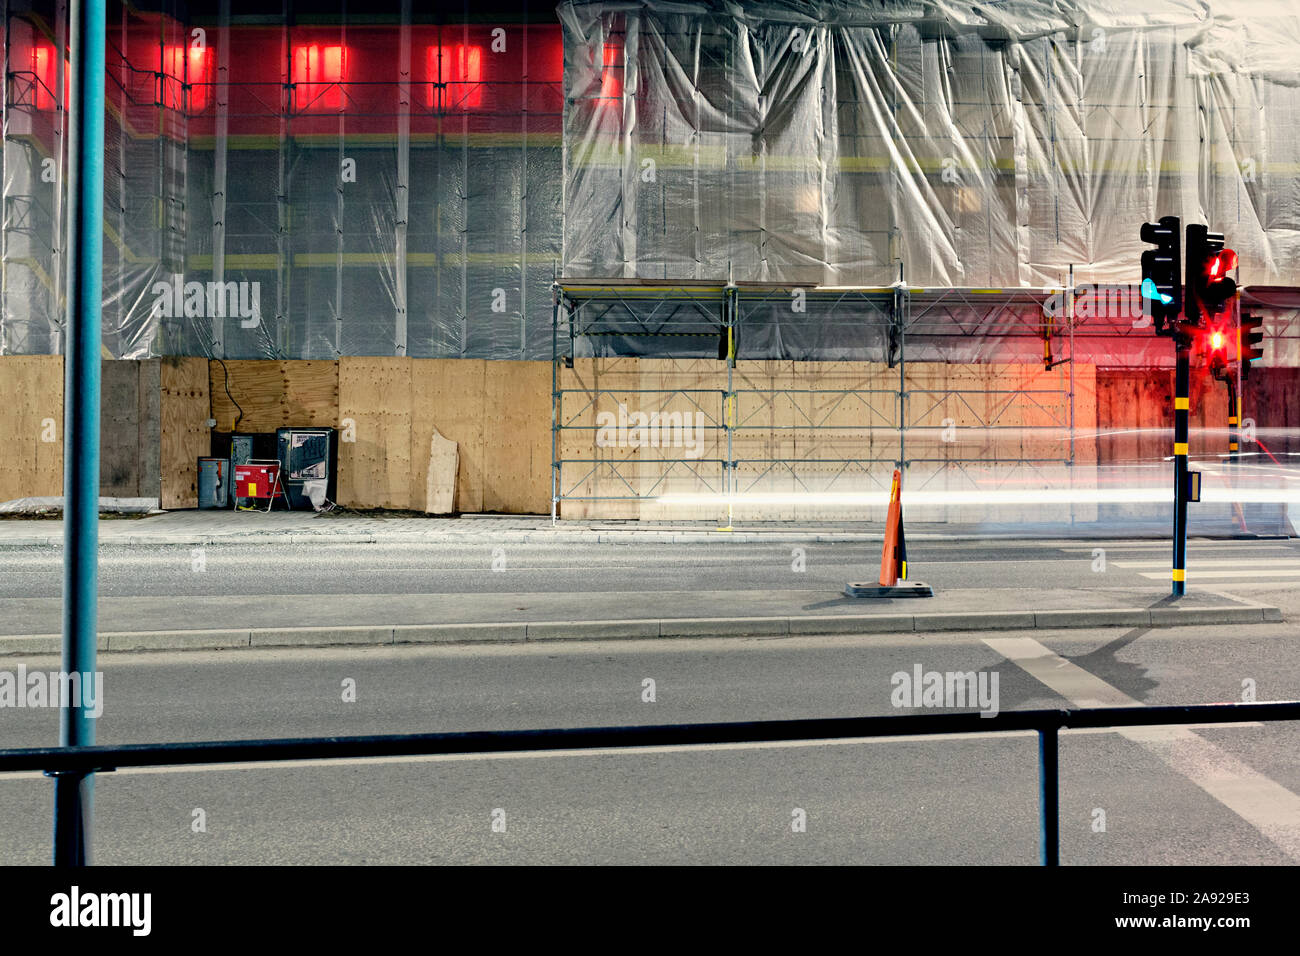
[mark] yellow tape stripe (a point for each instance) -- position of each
(903, 576)
(1181, 404)
(1180, 448)
(1232, 446)
(1232, 419)
(1180, 574)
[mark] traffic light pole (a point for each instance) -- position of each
(1232, 419)
(1182, 376)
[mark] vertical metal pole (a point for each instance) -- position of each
(1069, 323)
(1181, 404)
(403, 185)
(1234, 418)
(62, 184)
(283, 212)
(74, 792)
(1049, 798)
(730, 310)
(219, 166)
(902, 371)
(338, 196)
(555, 401)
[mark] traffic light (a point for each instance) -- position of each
(1249, 337)
(1162, 283)
(1209, 283)
(1215, 344)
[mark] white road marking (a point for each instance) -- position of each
(1191, 546)
(1238, 563)
(600, 752)
(1199, 575)
(1269, 807)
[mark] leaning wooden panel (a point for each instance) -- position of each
(375, 467)
(517, 437)
(273, 394)
(31, 426)
(185, 436)
(447, 395)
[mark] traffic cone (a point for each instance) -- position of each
(893, 556)
(890, 561)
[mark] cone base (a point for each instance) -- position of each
(901, 589)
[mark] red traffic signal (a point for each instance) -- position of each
(1209, 283)
(1214, 347)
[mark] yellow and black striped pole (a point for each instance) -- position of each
(1232, 419)
(1182, 374)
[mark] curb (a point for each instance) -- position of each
(517, 632)
(502, 537)
(516, 536)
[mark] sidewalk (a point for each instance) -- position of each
(196, 528)
(162, 623)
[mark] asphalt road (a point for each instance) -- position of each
(947, 800)
(179, 587)
(481, 567)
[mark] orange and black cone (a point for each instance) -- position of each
(893, 555)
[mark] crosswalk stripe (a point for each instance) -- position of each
(1238, 563)
(1191, 547)
(1263, 803)
(1247, 573)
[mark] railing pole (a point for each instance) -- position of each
(1049, 798)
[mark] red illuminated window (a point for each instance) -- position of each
(611, 74)
(181, 65)
(44, 80)
(318, 72)
(455, 77)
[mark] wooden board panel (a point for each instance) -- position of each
(447, 395)
(119, 429)
(686, 443)
(595, 388)
(375, 467)
(31, 426)
(149, 415)
(185, 437)
(274, 394)
(577, 417)
(516, 437)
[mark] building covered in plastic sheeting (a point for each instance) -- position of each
(972, 144)
(392, 181)
(300, 185)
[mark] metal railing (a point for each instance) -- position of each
(80, 761)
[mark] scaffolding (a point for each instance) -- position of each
(861, 328)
